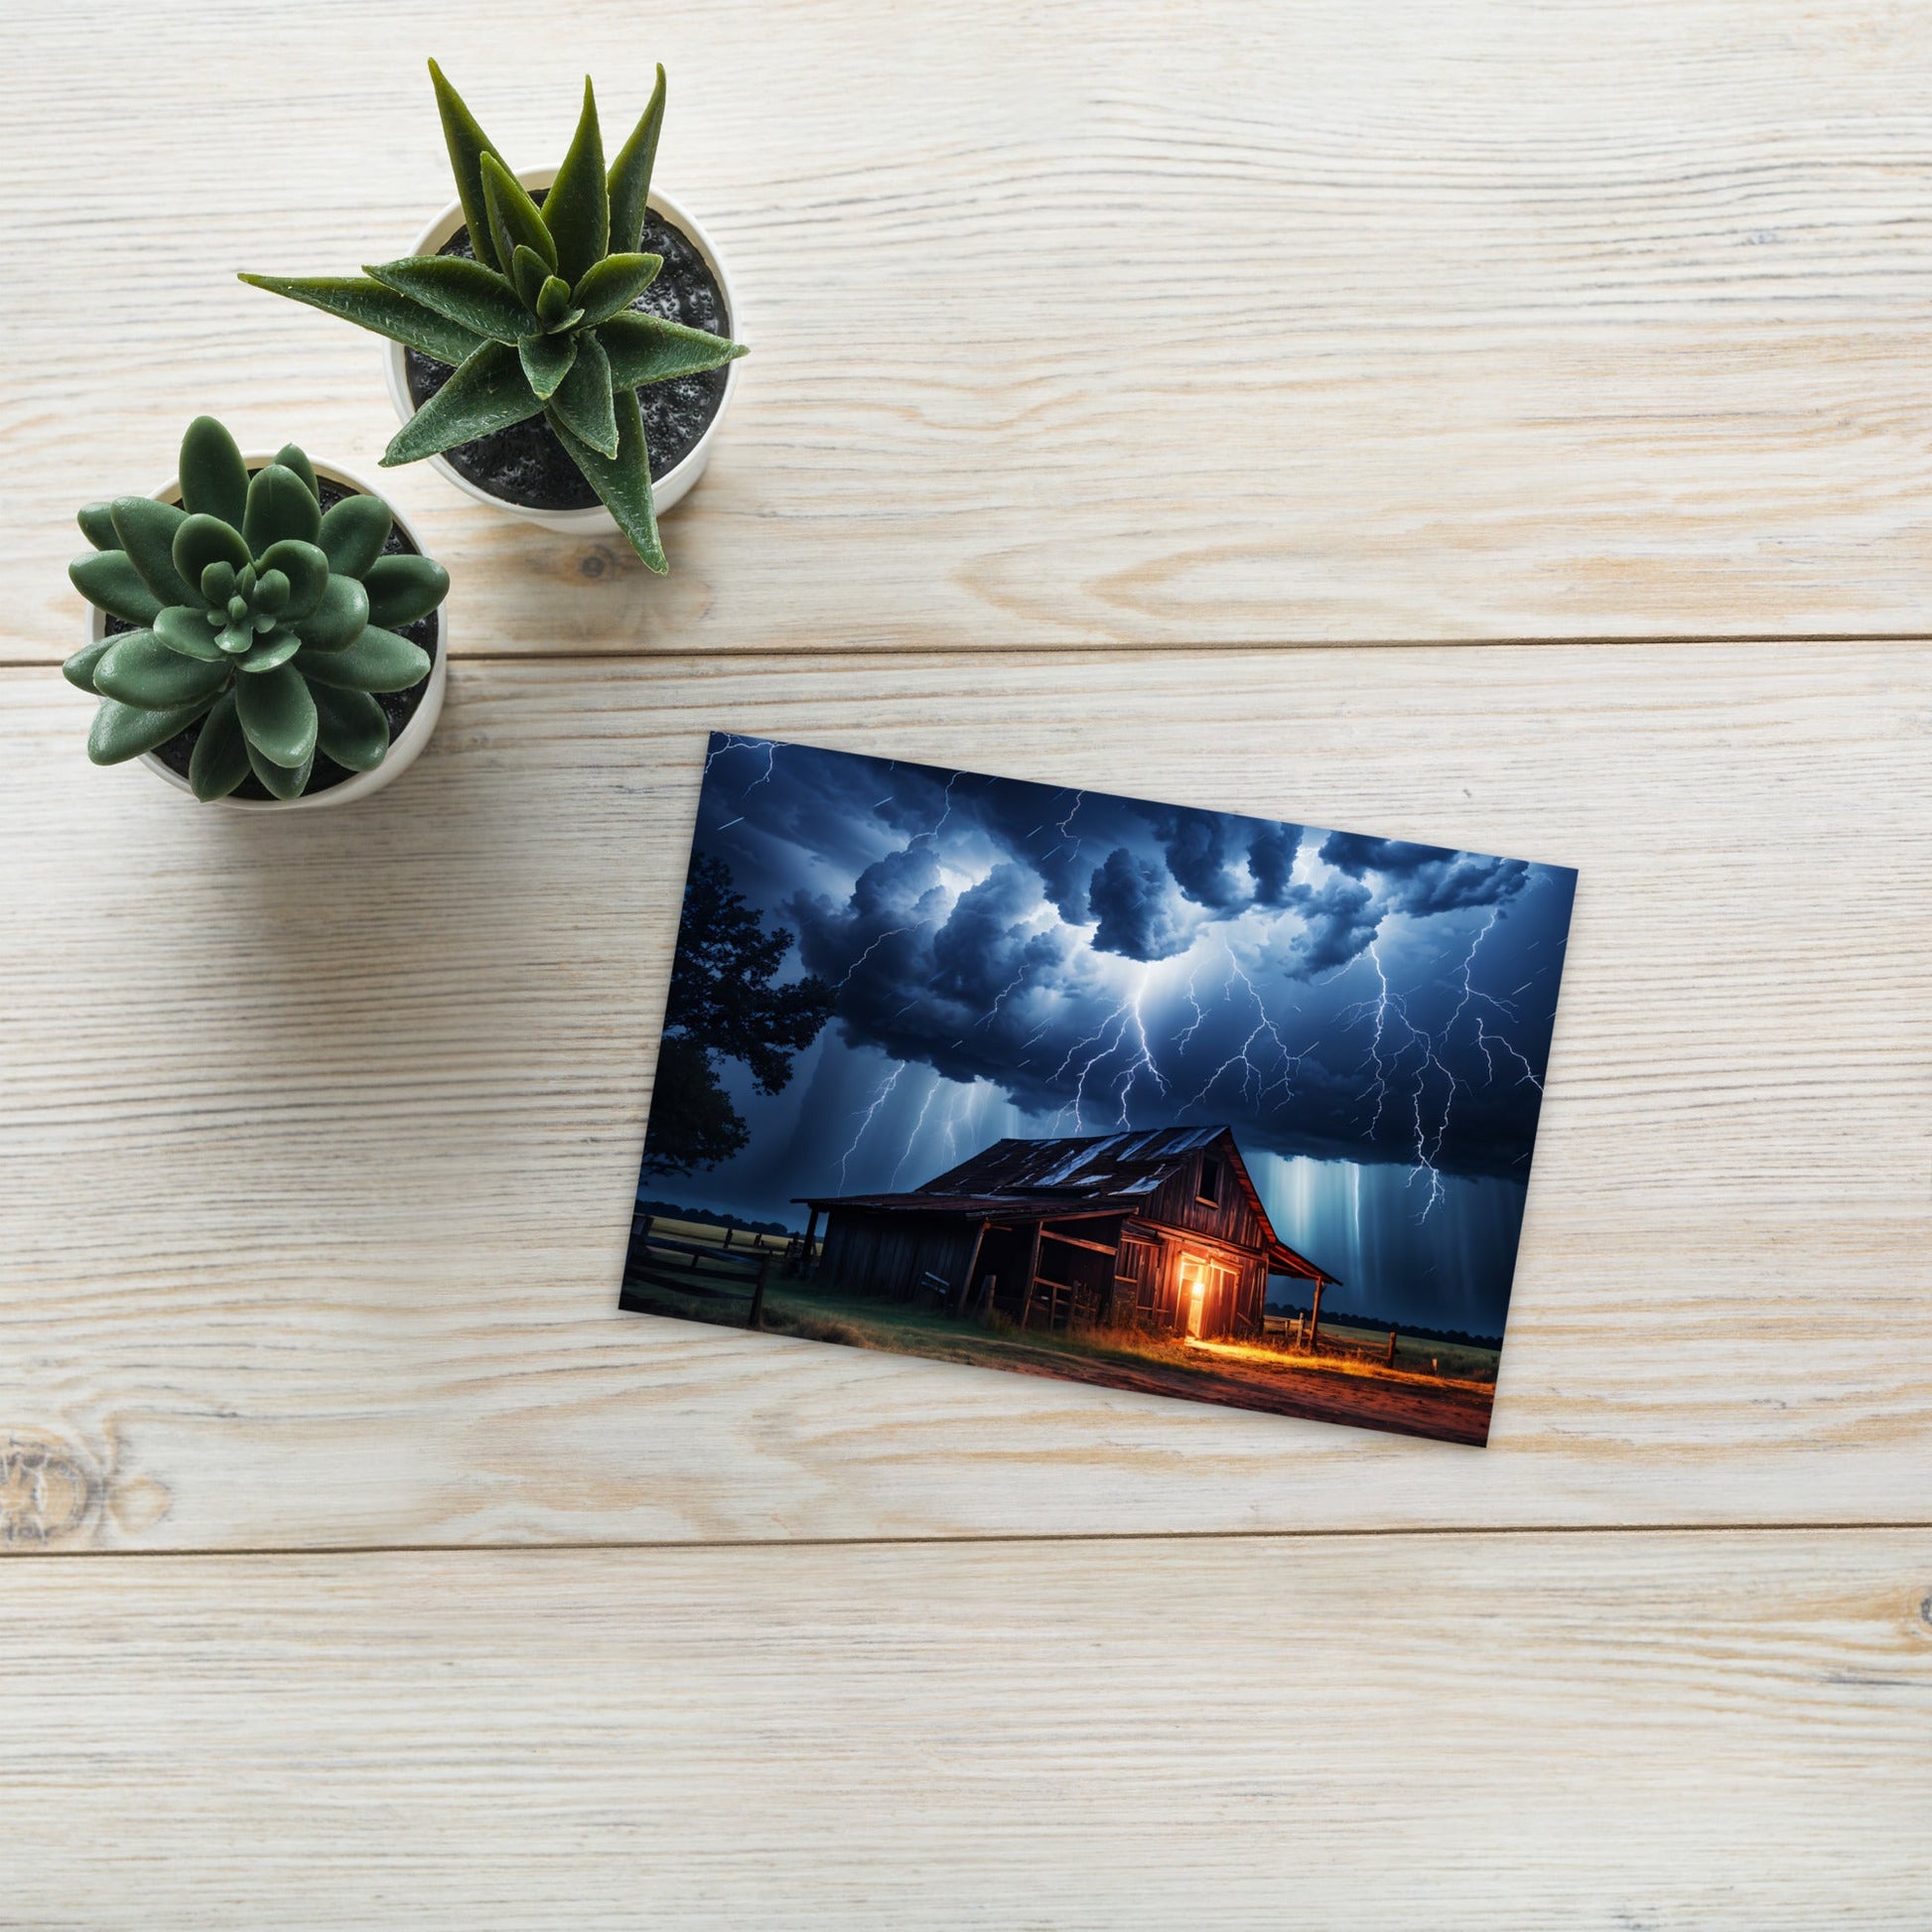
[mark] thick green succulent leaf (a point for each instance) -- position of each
(147, 533)
(351, 727)
(403, 589)
(529, 271)
(643, 349)
(629, 181)
(577, 210)
(79, 670)
(341, 616)
(220, 761)
(141, 671)
(615, 283)
(277, 647)
(213, 478)
(622, 481)
(109, 579)
(555, 310)
(546, 361)
(200, 541)
(514, 218)
(467, 144)
(381, 311)
(306, 567)
(475, 298)
(278, 780)
(280, 509)
(124, 730)
(585, 400)
(187, 630)
(378, 660)
(97, 522)
(278, 715)
(291, 456)
(354, 533)
(488, 392)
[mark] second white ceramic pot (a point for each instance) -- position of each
(665, 490)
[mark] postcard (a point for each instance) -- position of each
(1042, 1079)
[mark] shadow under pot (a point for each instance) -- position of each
(411, 713)
(525, 468)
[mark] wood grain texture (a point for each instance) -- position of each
(318, 1135)
(1116, 324)
(1505, 1734)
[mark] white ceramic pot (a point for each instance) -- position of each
(403, 751)
(668, 489)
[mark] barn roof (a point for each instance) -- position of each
(1080, 1178)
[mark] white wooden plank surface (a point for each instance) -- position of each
(1505, 1732)
(317, 1136)
(1109, 324)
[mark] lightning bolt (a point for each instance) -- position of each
(871, 1114)
(733, 742)
(911, 1139)
(868, 953)
(1112, 1037)
(1254, 1085)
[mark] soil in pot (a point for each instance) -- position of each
(525, 464)
(397, 706)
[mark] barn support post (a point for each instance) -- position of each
(1027, 1276)
(1315, 1317)
(972, 1262)
(806, 1259)
(755, 1320)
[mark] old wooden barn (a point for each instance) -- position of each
(1160, 1229)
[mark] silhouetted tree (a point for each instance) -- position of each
(723, 1006)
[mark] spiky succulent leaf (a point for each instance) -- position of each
(555, 310)
(278, 715)
(546, 361)
(615, 283)
(305, 568)
(203, 542)
(353, 532)
(291, 456)
(79, 670)
(97, 522)
(141, 671)
(351, 727)
(278, 780)
(109, 579)
(220, 761)
(514, 218)
(147, 533)
(643, 349)
(529, 271)
(382, 311)
(477, 299)
(340, 616)
(187, 632)
(378, 660)
(213, 478)
(402, 588)
(467, 144)
(585, 400)
(277, 647)
(123, 731)
(280, 509)
(630, 180)
(622, 481)
(488, 392)
(577, 210)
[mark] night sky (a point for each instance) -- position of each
(1371, 1018)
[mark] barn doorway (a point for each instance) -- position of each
(1193, 1293)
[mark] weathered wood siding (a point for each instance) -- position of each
(887, 1254)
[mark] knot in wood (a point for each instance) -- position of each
(47, 1492)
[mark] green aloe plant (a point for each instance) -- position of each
(254, 612)
(540, 321)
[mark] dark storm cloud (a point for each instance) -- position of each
(1096, 959)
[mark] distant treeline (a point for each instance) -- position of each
(1348, 1318)
(711, 1217)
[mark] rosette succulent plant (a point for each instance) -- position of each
(541, 320)
(252, 610)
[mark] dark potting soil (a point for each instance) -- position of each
(397, 706)
(525, 464)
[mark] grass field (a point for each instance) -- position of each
(1453, 1405)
